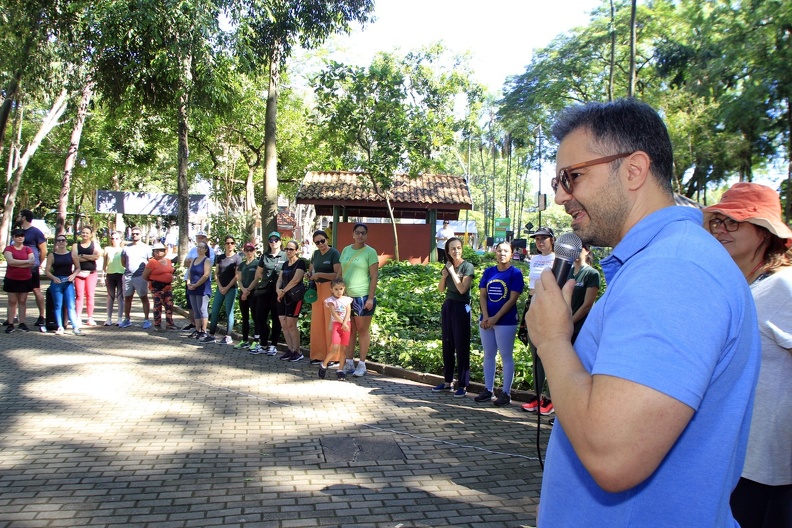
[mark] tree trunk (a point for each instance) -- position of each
(182, 185)
(633, 45)
(71, 157)
(788, 205)
(12, 188)
(612, 51)
(393, 224)
(269, 202)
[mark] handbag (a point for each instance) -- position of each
(84, 274)
(311, 295)
(296, 294)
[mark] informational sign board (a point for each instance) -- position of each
(501, 226)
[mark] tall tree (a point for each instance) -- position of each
(393, 116)
(266, 37)
(168, 55)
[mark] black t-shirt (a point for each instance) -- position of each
(289, 270)
(227, 268)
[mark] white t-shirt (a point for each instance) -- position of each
(538, 263)
(443, 235)
(769, 457)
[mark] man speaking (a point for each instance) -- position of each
(653, 403)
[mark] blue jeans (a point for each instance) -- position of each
(64, 291)
(218, 301)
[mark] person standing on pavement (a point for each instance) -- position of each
(455, 280)
(226, 266)
(87, 253)
(653, 401)
(36, 241)
(290, 282)
(324, 267)
(360, 271)
(199, 288)
(159, 274)
(268, 323)
(499, 288)
(246, 273)
(134, 258)
(747, 222)
(62, 267)
(544, 238)
(443, 236)
(114, 278)
(18, 280)
(192, 254)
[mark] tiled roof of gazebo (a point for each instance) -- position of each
(410, 197)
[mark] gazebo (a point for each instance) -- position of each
(427, 197)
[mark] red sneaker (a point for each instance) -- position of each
(532, 405)
(546, 407)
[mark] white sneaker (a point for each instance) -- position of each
(360, 371)
(226, 340)
(59, 331)
(349, 367)
(272, 350)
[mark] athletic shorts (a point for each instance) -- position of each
(338, 336)
(17, 285)
(289, 309)
(36, 279)
(135, 284)
(359, 306)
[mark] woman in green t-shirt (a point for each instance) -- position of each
(455, 280)
(359, 269)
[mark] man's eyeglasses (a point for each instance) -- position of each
(728, 224)
(135, 234)
(361, 233)
(317, 242)
(567, 176)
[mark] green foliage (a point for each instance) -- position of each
(469, 254)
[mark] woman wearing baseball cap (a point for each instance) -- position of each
(747, 221)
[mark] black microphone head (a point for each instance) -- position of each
(568, 246)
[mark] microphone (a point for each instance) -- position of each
(567, 250)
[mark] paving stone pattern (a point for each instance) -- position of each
(134, 428)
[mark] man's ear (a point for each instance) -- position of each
(637, 166)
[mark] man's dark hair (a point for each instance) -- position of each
(27, 214)
(622, 126)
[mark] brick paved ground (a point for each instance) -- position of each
(126, 427)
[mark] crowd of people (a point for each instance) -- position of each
(699, 365)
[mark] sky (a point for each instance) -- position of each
(500, 34)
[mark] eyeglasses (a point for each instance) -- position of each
(728, 224)
(59, 239)
(361, 233)
(115, 238)
(290, 249)
(230, 243)
(323, 241)
(23, 236)
(273, 240)
(135, 234)
(566, 175)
